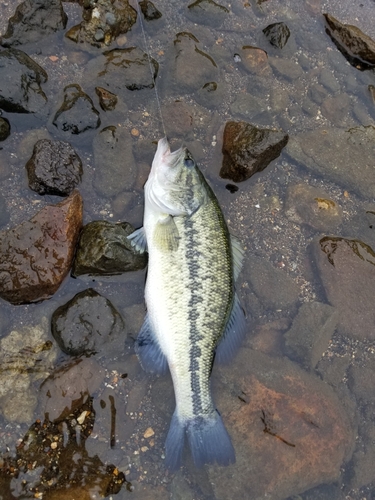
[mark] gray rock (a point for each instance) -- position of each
(150, 12)
(277, 34)
(115, 169)
(77, 114)
(34, 20)
(247, 107)
(211, 95)
(286, 68)
(248, 149)
(327, 79)
(4, 214)
(336, 108)
(4, 129)
(88, 324)
(317, 93)
(207, 12)
(341, 155)
(310, 333)
(274, 288)
(104, 250)
(347, 270)
(20, 80)
(54, 168)
(107, 99)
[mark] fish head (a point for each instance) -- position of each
(175, 185)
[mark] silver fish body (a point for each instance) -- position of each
(193, 312)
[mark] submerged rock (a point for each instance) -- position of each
(34, 20)
(107, 100)
(248, 149)
(104, 250)
(36, 256)
(347, 271)
(4, 129)
(54, 168)
(207, 12)
(287, 424)
(149, 10)
(103, 21)
(255, 60)
(277, 34)
(86, 324)
(77, 114)
(356, 46)
(20, 80)
(341, 155)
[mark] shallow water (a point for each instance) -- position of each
(127, 404)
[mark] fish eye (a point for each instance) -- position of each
(189, 162)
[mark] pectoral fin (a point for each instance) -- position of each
(138, 240)
(166, 235)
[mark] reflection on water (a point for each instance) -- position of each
(94, 425)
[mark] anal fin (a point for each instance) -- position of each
(148, 350)
(233, 334)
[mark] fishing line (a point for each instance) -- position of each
(146, 47)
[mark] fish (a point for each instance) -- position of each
(194, 315)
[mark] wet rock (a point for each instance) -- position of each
(4, 129)
(178, 118)
(36, 256)
(107, 100)
(361, 381)
(247, 107)
(255, 60)
(336, 108)
(347, 271)
(207, 12)
(274, 288)
(150, 12)
(86, 324)
(190, 68)
(356, 46)
(4, 214)
(54, 168)
(77, 114)
(310, 333)
(305, 204)
(26, 355)
(103, 21)
(341, 155)
(286, 68)
(211, 95)
(248, 149)
(104, 250)
(371, 89)
(277, 34)
(328, 80)
(289, 425)
(120, 70)
(34, 20)
(20, 80)
(317, 93)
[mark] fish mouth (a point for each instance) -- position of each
(166, 156)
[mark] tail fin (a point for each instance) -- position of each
(208, 439)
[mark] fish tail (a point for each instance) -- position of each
(208, 440)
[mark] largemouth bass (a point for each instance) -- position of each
(193, 312)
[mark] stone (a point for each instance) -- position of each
(356, 46)
(336, 108)
(340, 155)
(20, 83)
(178, 118)
(289, 429)
(77, 114)
(248, 149)
(211, 95)
(150, 12)
(104, 250)
(347, 271)
(33, 21)
(207, 12)
(274, 288)
(87, 324)
(306, 204)
(4, 129)
(286, 68)
(310, 333)
(247, 107)
(107, 100)
(36, 256)
(115, 168)
(255, 60)
(103, 21)
(277, 34)
(54, 168)
(4, 214)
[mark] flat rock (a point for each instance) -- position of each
(290, 70)
(54, 168)
(104, 250)
(4, 129)
(248, 149)
(289, 429)
(277, 34)
(347, 271)
(20, 82)
(77, 113)
(36, 256)
(356, 46)
(344, 156)
(34, 20)
(207, 12)
(255, 60)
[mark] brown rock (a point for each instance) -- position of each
(248, 149)
(255, 60)
(36, 256)
(347, 271)
(288, 428)
(107, 99)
